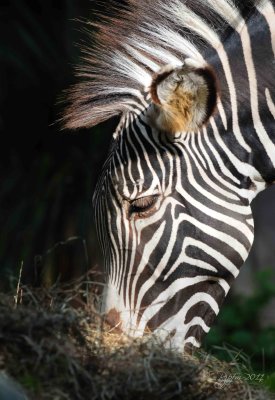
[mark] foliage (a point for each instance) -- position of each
(238, 327)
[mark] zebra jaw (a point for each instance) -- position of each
(183, 98)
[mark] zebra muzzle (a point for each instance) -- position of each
(183, 98)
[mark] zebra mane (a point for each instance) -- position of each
(138, 39)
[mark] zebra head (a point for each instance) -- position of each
(193, 147)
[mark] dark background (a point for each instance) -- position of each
(47, 175)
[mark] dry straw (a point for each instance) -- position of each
(57, 347)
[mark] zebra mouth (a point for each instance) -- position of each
(113, 319)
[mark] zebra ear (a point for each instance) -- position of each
(184, 98)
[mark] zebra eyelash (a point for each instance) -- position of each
(142, 206)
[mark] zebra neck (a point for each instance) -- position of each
(246, 111)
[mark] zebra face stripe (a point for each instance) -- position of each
(177, 240)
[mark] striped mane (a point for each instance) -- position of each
(135, 42)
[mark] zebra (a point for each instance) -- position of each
(193, 82)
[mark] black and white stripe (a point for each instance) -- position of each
(168, 267)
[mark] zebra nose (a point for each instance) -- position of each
(112, 318)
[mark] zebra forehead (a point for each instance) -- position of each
(129, 189)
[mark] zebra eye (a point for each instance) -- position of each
(143, 205)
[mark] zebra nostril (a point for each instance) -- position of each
(112, 318)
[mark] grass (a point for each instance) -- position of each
(55, 344)
(238, 325)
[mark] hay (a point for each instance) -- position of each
(54, 344)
